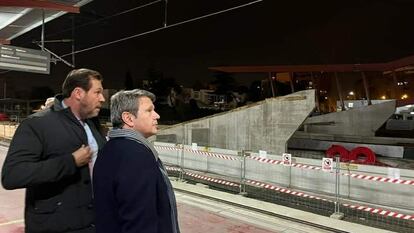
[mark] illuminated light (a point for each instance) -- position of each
(351, 93)
(405, 96)
(383, 97)
(412, 113)
(326, 97)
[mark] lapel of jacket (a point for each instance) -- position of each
(78, 130)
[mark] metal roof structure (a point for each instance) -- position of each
(406, 63)
(20, 16)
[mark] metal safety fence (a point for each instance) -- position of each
(300, 184)
(7, 129)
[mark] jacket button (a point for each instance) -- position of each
(59, 203)
(92, 225)
(90, 206)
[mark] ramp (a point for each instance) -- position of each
(265, 125)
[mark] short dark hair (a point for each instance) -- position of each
(79, 78)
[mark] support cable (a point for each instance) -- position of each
(57, 56)
(107, 17)
(162, 28)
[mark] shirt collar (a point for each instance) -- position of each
(80, 121)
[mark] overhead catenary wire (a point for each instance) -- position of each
(162, 28)
(107, 17)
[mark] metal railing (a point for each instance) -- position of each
(301, 184)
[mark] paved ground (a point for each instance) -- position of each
(11, 206)
(198, 220)
(193, 218)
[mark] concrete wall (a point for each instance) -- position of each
(363, 121)
(266, 125)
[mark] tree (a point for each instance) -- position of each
(224, 82)
(255, 92)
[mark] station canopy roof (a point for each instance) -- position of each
(20, 16)
(403, 64)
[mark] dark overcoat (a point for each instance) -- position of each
(58, 193)
(130, 192)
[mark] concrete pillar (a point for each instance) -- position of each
(394, 88)
(316, 87)
(291, 78)
(338, 87)
(364, 79)
(271, 83)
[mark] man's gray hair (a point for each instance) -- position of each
(126, 101)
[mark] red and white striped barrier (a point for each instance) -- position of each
(284, 190)
(265, 160)
(175, 169)
(382, 212)
(353, 175)
(305, 166)
(197, 152)
(378, 211)
(272, 161)
(214, 180)
(170, 148)
(380, 179)
(298, 165)
(220, 156)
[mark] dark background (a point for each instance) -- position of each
(270, 32)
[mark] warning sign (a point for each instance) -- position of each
(263, 154)
(194, 146)
(287, 159)
(327, 164)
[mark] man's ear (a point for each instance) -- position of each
(127, 119)
(78, 93)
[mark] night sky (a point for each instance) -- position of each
(270, 32)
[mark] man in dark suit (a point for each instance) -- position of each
(51, 155)
(131, 187)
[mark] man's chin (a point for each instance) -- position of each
(94, 113)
